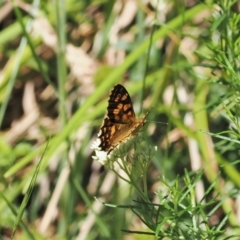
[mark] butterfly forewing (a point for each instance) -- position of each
(120, 108)
(120, 121)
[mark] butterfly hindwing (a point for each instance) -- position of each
(107, 131)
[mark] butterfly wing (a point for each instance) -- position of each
(120, 121)
(120, 108)
(107, 132)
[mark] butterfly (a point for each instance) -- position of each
(120, 121)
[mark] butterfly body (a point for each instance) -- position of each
(120, 121)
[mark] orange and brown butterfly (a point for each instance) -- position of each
(120, 121)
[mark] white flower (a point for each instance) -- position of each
(101, 156)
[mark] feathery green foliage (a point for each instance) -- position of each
(59, 61)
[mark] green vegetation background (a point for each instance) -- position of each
(60, 59)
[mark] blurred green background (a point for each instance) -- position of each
(58, 62)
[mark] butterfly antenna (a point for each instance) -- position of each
(158, 122)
